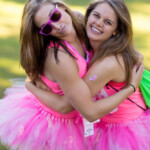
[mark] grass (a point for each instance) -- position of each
(10, 16)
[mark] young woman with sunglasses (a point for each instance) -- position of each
(26, 123)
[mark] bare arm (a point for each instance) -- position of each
(47, 97)
(78, 94)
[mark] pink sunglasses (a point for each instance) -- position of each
(54, 17)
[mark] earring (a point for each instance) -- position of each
(114, 34)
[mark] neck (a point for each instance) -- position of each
(71, 38)
(95, 46)
(74, 41)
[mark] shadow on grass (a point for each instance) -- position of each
(5, 76)
(86, 2)
(9, 59)
(71, 2)
(3, 147)
(139, 1)
(78, 2)
(9, 48)
(16, 1)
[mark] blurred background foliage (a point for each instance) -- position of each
(10, 18)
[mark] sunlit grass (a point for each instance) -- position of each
(10, 16)
(141, 23)
(13, 68)
(79, 8)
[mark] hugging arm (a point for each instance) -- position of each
(78, 94)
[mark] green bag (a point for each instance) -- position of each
(145, 87)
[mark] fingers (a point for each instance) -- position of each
(137, 74)
(43, 87)
(27, 79)
(40, 84)
(140, 69)
(29, 85)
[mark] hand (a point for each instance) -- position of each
(40, 84)
(29, 84)
(140, 59)
(137, 73)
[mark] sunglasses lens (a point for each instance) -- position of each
(56, 16)
(47, 29)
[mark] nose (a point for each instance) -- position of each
(55, 25)
(100, 22)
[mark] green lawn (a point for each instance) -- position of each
(10, 14)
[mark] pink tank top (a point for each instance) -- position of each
(127, 110)
(54, 86)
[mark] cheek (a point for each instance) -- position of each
(109, 30)
(66, 17)
(87, 29)
(88, 25)
(36, 22)
(90, 20)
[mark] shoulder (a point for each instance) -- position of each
(65, 64)
(109, 64)
(110, 68)
(62, 55)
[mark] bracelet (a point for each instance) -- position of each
(133, 87)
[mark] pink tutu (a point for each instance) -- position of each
(127, 127)
(27, 125)
(131, 135)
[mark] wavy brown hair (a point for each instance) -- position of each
(122, 42)
(34, 46)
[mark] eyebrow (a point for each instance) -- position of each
(100, 15)
(51, 12)
(49, 16)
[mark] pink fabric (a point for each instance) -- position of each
(129, 135)
(126, 110)
(125, 128)
(26, 124)
(82, 64)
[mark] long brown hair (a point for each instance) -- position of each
(33, 45)
(122, 42)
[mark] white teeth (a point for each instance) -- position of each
(96, 30)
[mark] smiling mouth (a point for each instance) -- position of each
(62, 29)
(95, 30)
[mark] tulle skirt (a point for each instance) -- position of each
(131, 135)
(27, 125)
